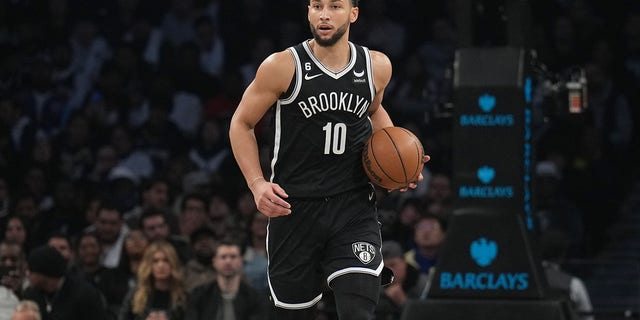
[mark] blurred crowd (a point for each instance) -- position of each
(114, 147)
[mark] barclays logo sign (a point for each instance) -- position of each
(484, 251)
(486, 103)
(486, 174)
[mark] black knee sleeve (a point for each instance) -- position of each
(356, 295)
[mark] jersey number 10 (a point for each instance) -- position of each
(335, 138)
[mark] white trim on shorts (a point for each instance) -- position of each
(340, 272)
(292, 306)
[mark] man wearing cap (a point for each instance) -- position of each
(60, 296)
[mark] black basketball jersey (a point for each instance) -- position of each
(321, 125)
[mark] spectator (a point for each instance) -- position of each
(220, 213)
(112, 283)
(211, 43)
(10, 277)
(62, 243)
(26, 310)
(105, 160)
(401, 229)
(134, 246)
(228, 296)
(554, 245)
(408, 282)
(193, 214)
(57, 295)
(429, 235)
(198, 269)
(211, 147)
(177, 23)
(137, 161)
(111, 232)
(255, 253)
(159, 292)
(153, 223)
(65, 216)
(13, 265)
(16, 231)
(439, 190)
(555, 210)
(156, 196)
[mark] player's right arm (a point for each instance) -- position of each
(272, 79)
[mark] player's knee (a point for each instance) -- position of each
(356, 296)
(360, 284)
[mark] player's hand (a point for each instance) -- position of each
(269, 199)
(414, 185)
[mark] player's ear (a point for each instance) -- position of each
(354, 14)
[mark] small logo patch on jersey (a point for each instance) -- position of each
(364, 251)
(308, 77)
(358, 74)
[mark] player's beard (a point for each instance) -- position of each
(333, 39)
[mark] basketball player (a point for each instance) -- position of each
(323, 226)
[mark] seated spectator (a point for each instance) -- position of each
(12, 262)
(134, 246)
(112, 283)
(62, 243)
(159, 293)
(26, 310)
(155, 227)
(8, 298)
(428, 236)
(111, 231)
(16, 231)
(408, 282)
(59, 296)
(199, 269)
(193, 214)
(228, 296)
(554, 246)
(255, 254)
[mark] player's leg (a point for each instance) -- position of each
(294, 248)
(356, 295)
(353, 262)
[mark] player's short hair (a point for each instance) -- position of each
(355, 2)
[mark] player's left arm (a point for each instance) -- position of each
(382, 70)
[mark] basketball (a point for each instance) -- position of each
(392, 158)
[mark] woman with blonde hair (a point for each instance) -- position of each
(159, 293)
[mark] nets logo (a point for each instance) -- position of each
(484, 252)
(486, 174)
(364, 251)
(487, 103)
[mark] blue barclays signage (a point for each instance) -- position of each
(486, 103)
(484, 252)
(485, 174)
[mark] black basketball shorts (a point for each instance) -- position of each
(320, 240)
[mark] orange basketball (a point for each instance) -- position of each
(392, 158)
